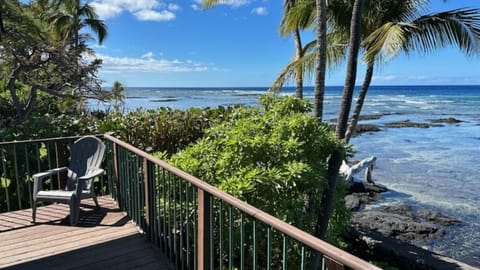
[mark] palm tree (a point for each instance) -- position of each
(118, 96)
(400, 28)
(72, 16)
(320, 68)
(351, 76)
(336, 157)
(391, 27)
(298, 47)
(289, 26)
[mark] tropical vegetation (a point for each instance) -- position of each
(44, 54)
(387, 29)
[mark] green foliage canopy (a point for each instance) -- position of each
(273, 157)
(33, 61)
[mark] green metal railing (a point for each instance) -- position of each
(197, 226)
(194, 225)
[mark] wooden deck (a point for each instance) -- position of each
(103, 239)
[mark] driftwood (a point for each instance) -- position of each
(365, 164)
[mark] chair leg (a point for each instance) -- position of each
(95, 200)
(34, 211)
(74, 211)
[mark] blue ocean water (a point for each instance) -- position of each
(436, 168)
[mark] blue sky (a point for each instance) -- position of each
(177, 44)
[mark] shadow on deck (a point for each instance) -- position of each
(104, 238)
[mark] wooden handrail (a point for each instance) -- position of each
(323, 247)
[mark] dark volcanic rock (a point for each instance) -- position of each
(449, 120)
(352, 202)
(437, 217)
(374, 246)
(401, 227)
(407, 123)
(362, 193)
(370, 117)
(363, 128)
(361, 187)
(404, 210)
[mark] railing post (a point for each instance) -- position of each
(117, 175)
(62, 161)
(203, 233)
(146, 185)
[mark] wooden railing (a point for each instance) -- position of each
(195, 225)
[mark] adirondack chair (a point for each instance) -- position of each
(85, 160)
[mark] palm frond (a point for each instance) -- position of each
(336, 52)
(459, 27)
(299, 16)
(211, 3)
(98, 27)
(385, 42)
(306, 64)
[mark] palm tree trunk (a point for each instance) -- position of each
(361, 99)
(354, 47)
(2, 28)
(326, 204)
(321, 15)
(298, 54)
(335, 159)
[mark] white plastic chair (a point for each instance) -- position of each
(85, 160)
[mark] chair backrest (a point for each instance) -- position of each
(86, 156)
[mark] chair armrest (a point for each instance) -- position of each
(91, 175)
(38, 177)
(51, 172)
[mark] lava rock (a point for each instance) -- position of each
(407, 123)
(363, 128)
(437, 217)
(449, 120)
(401, 227)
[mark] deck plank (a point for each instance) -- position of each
(104, 238)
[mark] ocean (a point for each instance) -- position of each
(436, 168)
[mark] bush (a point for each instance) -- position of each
(163, 129)
(273, 157)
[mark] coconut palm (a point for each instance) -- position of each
(351, 76)
(72, 17)
(392, 27)
(284, 31)
(459, 27)
(320, 68)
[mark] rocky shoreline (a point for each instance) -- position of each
(394, 233)
(389, 233)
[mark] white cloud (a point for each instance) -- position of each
(261, 11)
(196, 7)
(152, 15)
(173, 7)
(385, 78)
(147, 63)
(106, 11)
(234, 3)
(148, 55)
(151, 10)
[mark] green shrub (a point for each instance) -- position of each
(163, 129)
(273, 157)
